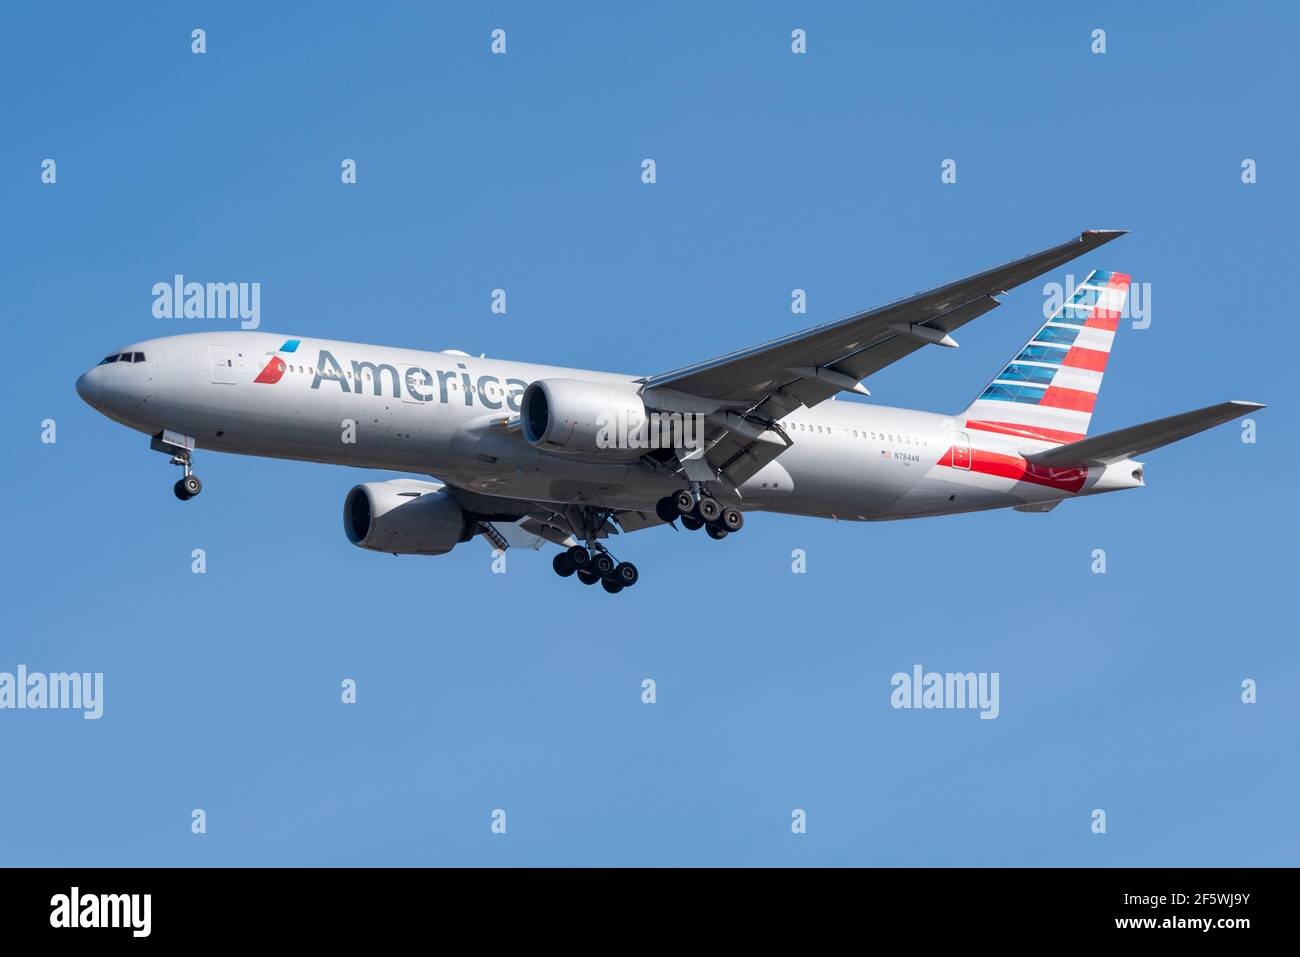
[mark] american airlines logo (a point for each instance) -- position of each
(415, 383)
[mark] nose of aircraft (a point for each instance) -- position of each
(90, 388)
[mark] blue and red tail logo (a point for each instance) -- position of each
(275, 368)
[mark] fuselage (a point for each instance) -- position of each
(442, 414)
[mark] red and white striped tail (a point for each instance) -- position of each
(1047, 392)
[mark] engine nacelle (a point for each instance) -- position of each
(405, 517)
(573, 417)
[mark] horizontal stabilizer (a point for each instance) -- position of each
(1136, 439)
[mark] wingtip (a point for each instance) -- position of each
(1248, 404)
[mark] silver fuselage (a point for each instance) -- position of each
(849, 460)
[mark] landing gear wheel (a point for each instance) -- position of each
(588, 578)
(709, 509)
(691, 523)
(684, 502)
(579, 556)
(731, 519)
(666, 509)
(187, 488)
(716, 533)
(611, 586)
(563, 565)
(625, 574)
(602, 565)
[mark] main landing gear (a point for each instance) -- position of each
(595, 565)
(697, 509)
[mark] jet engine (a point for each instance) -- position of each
(405, 517)
(574, 417)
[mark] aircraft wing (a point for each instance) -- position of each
(766, 382)
(1136, 439)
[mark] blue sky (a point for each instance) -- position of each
(520, 691)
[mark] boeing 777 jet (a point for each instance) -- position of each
(526, 454)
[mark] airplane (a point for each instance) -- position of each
(528, 454)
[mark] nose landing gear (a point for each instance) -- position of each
(181, 449)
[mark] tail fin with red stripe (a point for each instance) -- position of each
(1047, 392)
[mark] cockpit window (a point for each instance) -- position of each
(123, 357)
(139, 356)
(107, 359)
